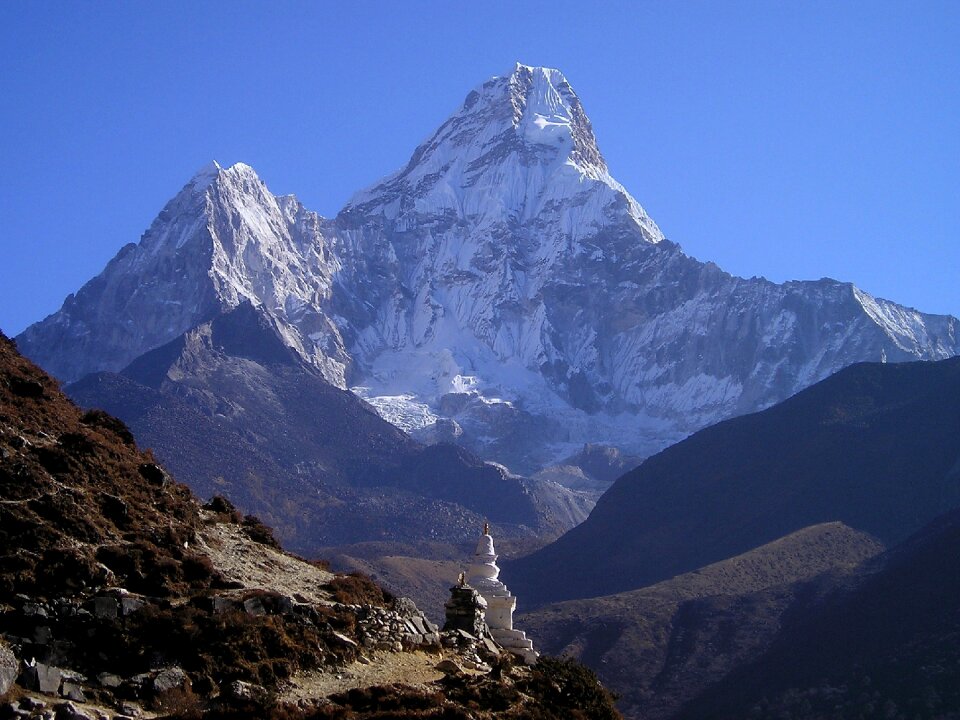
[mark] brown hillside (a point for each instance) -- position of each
(81, 506)
(889, 647)
(662, 645)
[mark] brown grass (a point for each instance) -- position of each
(77, 486)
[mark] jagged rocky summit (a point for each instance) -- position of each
(501, 290)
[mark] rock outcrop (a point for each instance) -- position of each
(9, 667)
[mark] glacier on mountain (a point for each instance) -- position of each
(502, 280)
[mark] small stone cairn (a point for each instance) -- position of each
(400, 627)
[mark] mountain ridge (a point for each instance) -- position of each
(662, 645)
(887, 644)
(872, 446)
(235, 412)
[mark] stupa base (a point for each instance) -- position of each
(517, 643)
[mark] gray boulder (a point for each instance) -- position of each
(106, 607)
(9, 667)
(69, 711)
(172, 678)
(42, 678)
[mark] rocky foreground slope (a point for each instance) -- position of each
(501, 290)
(120, 596)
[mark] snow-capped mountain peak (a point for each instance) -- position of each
(224, 239)
(548, 112)
(213, 173)
(501, 288)
(520, 146)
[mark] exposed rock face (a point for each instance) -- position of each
(502, 279)
(9, 667)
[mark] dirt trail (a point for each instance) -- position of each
(409, 668)
(240, 559)
(257, 566)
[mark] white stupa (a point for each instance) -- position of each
(483, 576)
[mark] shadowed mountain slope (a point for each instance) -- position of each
(890, 648)
(232, 410)
(874, 446)
(664, 644)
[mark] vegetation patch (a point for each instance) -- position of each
(357, 589)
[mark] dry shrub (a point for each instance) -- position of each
(566, 687)
(388, 698)
(254, 529)
(65, 570)
(358, 589)
(78, 442)
(223, 510)
(233, 645)
(182, 702)
(104, 421)
(198, 568)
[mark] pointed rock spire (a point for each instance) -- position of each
(518, 148)
(205, 175)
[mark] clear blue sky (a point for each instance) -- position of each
(783, 139)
